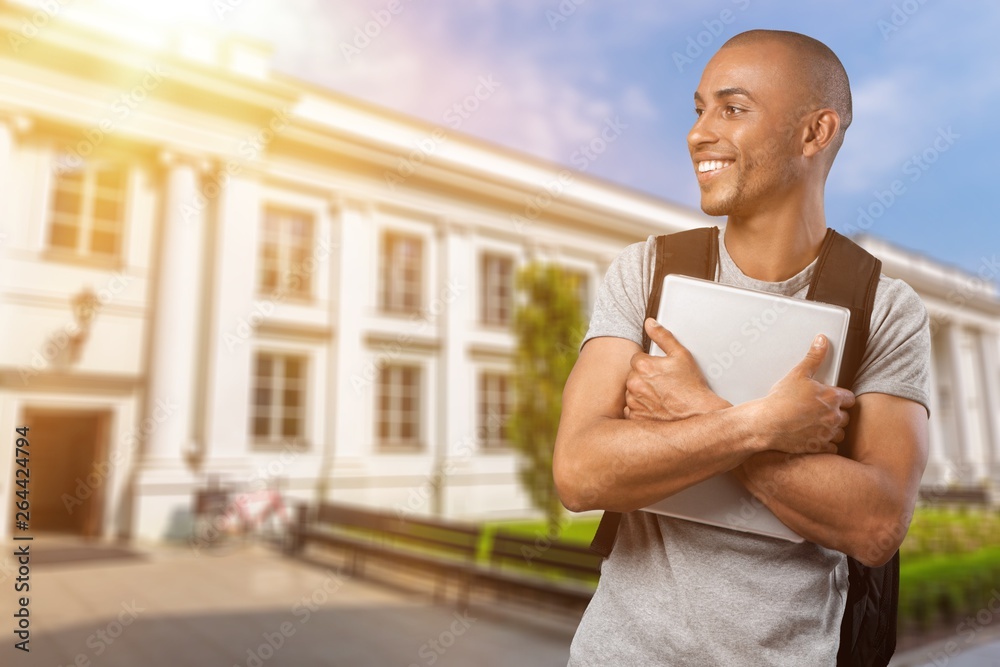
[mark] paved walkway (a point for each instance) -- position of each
(964, 649)
(102, 606)
(251, 608)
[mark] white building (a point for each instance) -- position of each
(208, 268)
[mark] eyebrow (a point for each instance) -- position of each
(727, 92)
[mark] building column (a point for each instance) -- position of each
(458, 382)
(171, 388)
(960, 405)
(235, 314)
(937, 458)
(989, 344)
(174, 323)
(332, 412)
(6, 170)
(11, 126)
(357, 286)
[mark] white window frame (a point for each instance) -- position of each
(292, 278)
(276, 408)
(393, 416)
(497, 308)
(394, 288)
(490, 439)
(83, 219)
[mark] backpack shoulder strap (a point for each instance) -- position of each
(847, 275)
(695, 253)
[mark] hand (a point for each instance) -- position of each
(803, 415)
(667, 388)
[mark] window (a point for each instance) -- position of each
(496, 402)
(88, 209)
(402, 259)
(278, 410)
(286, 245)
(497, 280)
(397, 408)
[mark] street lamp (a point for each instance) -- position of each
(85, 305)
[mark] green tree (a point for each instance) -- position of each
(549, 325)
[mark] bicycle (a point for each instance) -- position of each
(226, 519)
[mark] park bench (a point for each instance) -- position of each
(542, 569)
(962, 496)
(447, 550)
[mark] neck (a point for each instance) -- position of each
(776, 244)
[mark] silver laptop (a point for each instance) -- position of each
(743, 341)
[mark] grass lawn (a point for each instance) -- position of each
(575, 530)
(936, 531)
(950, 560)
(933, 531)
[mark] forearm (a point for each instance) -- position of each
(626, 464)
(831, 500)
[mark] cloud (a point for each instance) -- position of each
(882, 135)
(636, 103)
(935, 72)
(429, 58)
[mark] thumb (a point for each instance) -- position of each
(662, 337)
(814, 357)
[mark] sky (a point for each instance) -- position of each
(915, 168)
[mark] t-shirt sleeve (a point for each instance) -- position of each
(620, 306)
(897, 358)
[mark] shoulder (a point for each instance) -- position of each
(636, 255)
(896, 300)
(897, 356)
(621, 299)
(632, 268)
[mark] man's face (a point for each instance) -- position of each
(745, 141)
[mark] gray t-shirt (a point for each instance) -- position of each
(675, 592)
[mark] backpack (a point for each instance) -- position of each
(846, 275)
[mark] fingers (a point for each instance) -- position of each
(847, 398)
(831, 447)
(662, 337)
(824, 446)
(814, 357)
(837, 433)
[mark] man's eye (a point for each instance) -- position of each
(733, 111)
(698, 112)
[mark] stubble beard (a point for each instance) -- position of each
(741, 195)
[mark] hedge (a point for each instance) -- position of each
(950, 562)
(946, 588)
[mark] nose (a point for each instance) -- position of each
(702, 132)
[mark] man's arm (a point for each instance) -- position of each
(860, 503)
(604, 461)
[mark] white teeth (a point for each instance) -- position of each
(712, 165)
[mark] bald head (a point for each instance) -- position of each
(824, 76)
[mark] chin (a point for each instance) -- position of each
(715, 208)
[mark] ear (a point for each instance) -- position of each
(820, 131)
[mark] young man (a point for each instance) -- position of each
(772, 108)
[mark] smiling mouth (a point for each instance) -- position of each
(708, 166)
